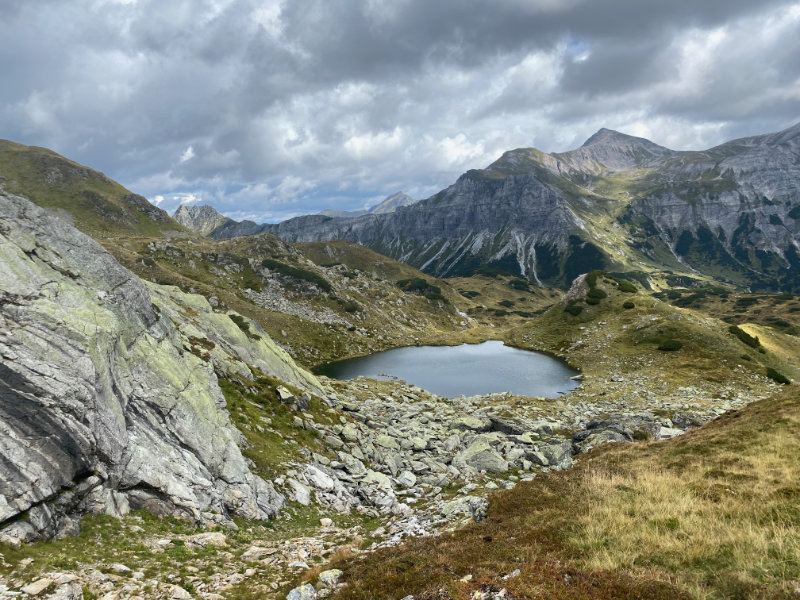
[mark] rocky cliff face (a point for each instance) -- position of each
(108, 392)
(618, 202)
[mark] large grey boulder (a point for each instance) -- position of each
(97, 393)
(480, 456)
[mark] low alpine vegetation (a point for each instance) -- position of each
(745, 337)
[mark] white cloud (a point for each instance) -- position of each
(188, 154)
(370, 146)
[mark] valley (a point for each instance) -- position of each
(199, 456)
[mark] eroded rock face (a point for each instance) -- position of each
(100, 405)
(732, 211)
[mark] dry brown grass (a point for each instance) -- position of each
(713, 514)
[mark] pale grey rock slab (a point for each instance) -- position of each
(94, 380)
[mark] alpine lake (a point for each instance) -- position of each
(468, 369)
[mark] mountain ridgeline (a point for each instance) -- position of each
(618, 203)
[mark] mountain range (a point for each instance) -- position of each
(620, 203)
(388, 205)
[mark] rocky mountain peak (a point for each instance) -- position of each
(392, 203)
(386, 206)
(609, 150)
(201, 219)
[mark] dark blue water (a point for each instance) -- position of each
(469, 369)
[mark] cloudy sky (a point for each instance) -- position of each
(268, 109)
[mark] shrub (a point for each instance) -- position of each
(297, 273)
(506, 303)
(745, 337)
(628, 304)
(626, 286)
(573, 309)
(240, 322)
(776, 376)
(746, 302)
(499, 312)
(244, 326)
(592, 301)
(469, 293)
(519, 284)
(596, 293)
(417, 284)
(745, 357)
(670, 345)
(349, 305)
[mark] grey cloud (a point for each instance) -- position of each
(357, 99)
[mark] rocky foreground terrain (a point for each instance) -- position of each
(125, 376)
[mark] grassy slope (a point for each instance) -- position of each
(711, 514)
(606, 338)
(363, 292)
(97, 205)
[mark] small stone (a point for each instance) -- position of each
(212, 538)
(301, 493)
(176, 592)
(319, 479)
(284, 395)
(254, 553)
(304, 592)
(330, 578)
(119, 568)
(471, 423)
(67, 591)
(38, 586)
(350, 433)
(388, 442)
(407, 479)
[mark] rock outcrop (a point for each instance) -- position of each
(200, 219)
(102, 407)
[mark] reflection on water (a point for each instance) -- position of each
(469, 369)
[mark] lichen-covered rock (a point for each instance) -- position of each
(98, 393)
(480, 456)
(216, 338)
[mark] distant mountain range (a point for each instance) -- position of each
(620, 203)
(389, 205)
(205, 219)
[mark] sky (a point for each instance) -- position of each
(268, 109)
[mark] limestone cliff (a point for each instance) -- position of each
(104, 403)
(618, 203)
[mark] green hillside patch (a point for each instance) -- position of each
(94, 203)
(417, 285)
